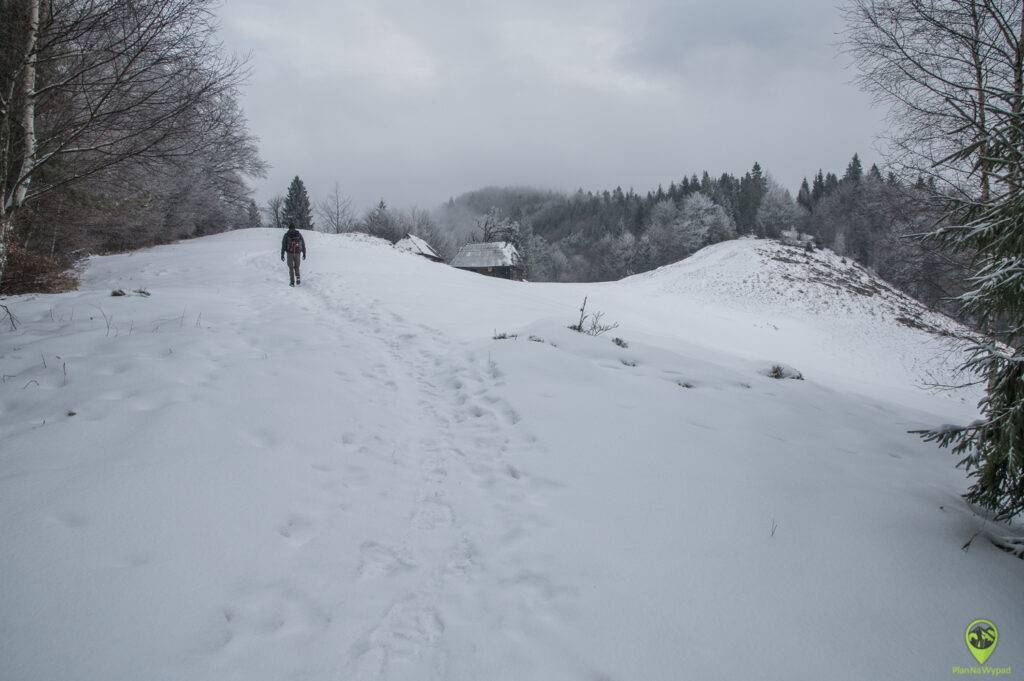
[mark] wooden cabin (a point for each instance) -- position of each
(413, 244)
(494, 259)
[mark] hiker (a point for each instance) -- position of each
(292, 244)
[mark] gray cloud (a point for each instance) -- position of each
(418, 101)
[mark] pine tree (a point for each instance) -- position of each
(752, 189)
(297, 211)
(706, 184)
(818, 189)
(253, 217)
(875, 174)
(803, 197)
(854, 171)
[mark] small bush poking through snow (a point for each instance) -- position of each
(621, 343)
(142, 292)
(783, 371)
(593, 327)
(118, 292)
(536, 339)
(505, 335)
(629, 362)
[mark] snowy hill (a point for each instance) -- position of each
(232, 479)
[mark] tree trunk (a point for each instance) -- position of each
(28, 125)
(28, 115)
(6, 224)
(982, 102)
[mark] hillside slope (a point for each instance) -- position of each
(232, 479)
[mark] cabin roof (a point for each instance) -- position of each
(413, 244)
(491, 254)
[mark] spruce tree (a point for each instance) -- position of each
(818, 188)
(803, 197)
(252, 215)
(992, 228)
(854, 171)
(296, 210)
(752, 188)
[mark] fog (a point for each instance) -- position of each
(415, 102)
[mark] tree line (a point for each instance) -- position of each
(594, 236)
(119, 128)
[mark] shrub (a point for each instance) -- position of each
(593, 327)
(28, 272)
(783, 371)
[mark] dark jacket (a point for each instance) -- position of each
(288, 236)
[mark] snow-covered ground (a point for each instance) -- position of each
(233, 479)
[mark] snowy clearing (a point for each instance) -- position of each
(233, 479)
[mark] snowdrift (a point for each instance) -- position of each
(362, 479)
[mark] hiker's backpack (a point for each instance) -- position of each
(295, 243)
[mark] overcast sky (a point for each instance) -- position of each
(417, 101)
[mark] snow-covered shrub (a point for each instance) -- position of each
(783, 371)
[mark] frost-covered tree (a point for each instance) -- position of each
(702, 222)
(778, 212)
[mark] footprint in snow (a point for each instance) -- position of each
(297, 529)
(378, 560)
(432, 514)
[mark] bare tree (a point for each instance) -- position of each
(275, 208)
(951, 74)
(87, 86)
(335, 212)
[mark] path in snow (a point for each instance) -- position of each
(449, 478)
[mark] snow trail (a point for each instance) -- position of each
(450, 473)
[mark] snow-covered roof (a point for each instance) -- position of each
(413, 244)
(491, 254)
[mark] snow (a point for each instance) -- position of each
(355, 480)
(491, 254)
(413, 244)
